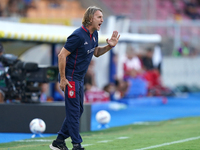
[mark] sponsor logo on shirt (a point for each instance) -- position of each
(90, 51)
(85, 43)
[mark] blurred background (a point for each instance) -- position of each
(157, 55)
(175, 23)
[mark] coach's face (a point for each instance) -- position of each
(97, 20)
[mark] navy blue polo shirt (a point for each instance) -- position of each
(81, 44)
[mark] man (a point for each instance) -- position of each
(73, 61)
(131, 63)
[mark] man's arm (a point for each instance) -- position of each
(101, 50)
(111, 43)
(61, 65)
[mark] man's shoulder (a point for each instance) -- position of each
(78, 31)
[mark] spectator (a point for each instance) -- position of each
(44, 92)
(94, 94)
(137, 86)
(45, 95)
(58, 93)
(121, 89)
(152, 76)
(90, 75)
(147, 61)
(185, 48)
(111, 89)
(132, 62)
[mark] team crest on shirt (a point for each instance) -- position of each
(71, 93)
(94, 39)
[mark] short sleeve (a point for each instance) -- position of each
(73, 42)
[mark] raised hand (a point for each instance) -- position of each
(114, 39)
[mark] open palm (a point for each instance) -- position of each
(114, 39)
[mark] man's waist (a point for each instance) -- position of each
(75, 77)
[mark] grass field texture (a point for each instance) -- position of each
(179, 134)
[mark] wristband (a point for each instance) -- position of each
(111, 46)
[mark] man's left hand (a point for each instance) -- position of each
(114, 39)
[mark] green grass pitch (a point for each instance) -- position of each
(178, 134)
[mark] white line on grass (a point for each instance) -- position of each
(34, 140)
(170, 143)
(105, 141)
(84, 145)
(145, 123)
(121, 138)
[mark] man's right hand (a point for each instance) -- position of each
(63, 83)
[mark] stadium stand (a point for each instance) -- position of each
(42, 11)
(134, 9)
(63, 9)
(140, 10)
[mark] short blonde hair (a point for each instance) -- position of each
(89, 13)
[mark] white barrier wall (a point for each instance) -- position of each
(181, 70)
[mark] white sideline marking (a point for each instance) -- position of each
(34, 141)
(121, 138)
(84, 145)
(170, 143)
(145, 123)
(106, 141)
(141, 123)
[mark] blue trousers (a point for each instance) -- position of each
(74, 109)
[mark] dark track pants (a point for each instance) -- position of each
(74, 109)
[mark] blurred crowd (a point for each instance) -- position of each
(141, 78)
(15, 8)
(192, 9)
(186, 9)
(10, 8)
(186, 49)
(19, 8)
